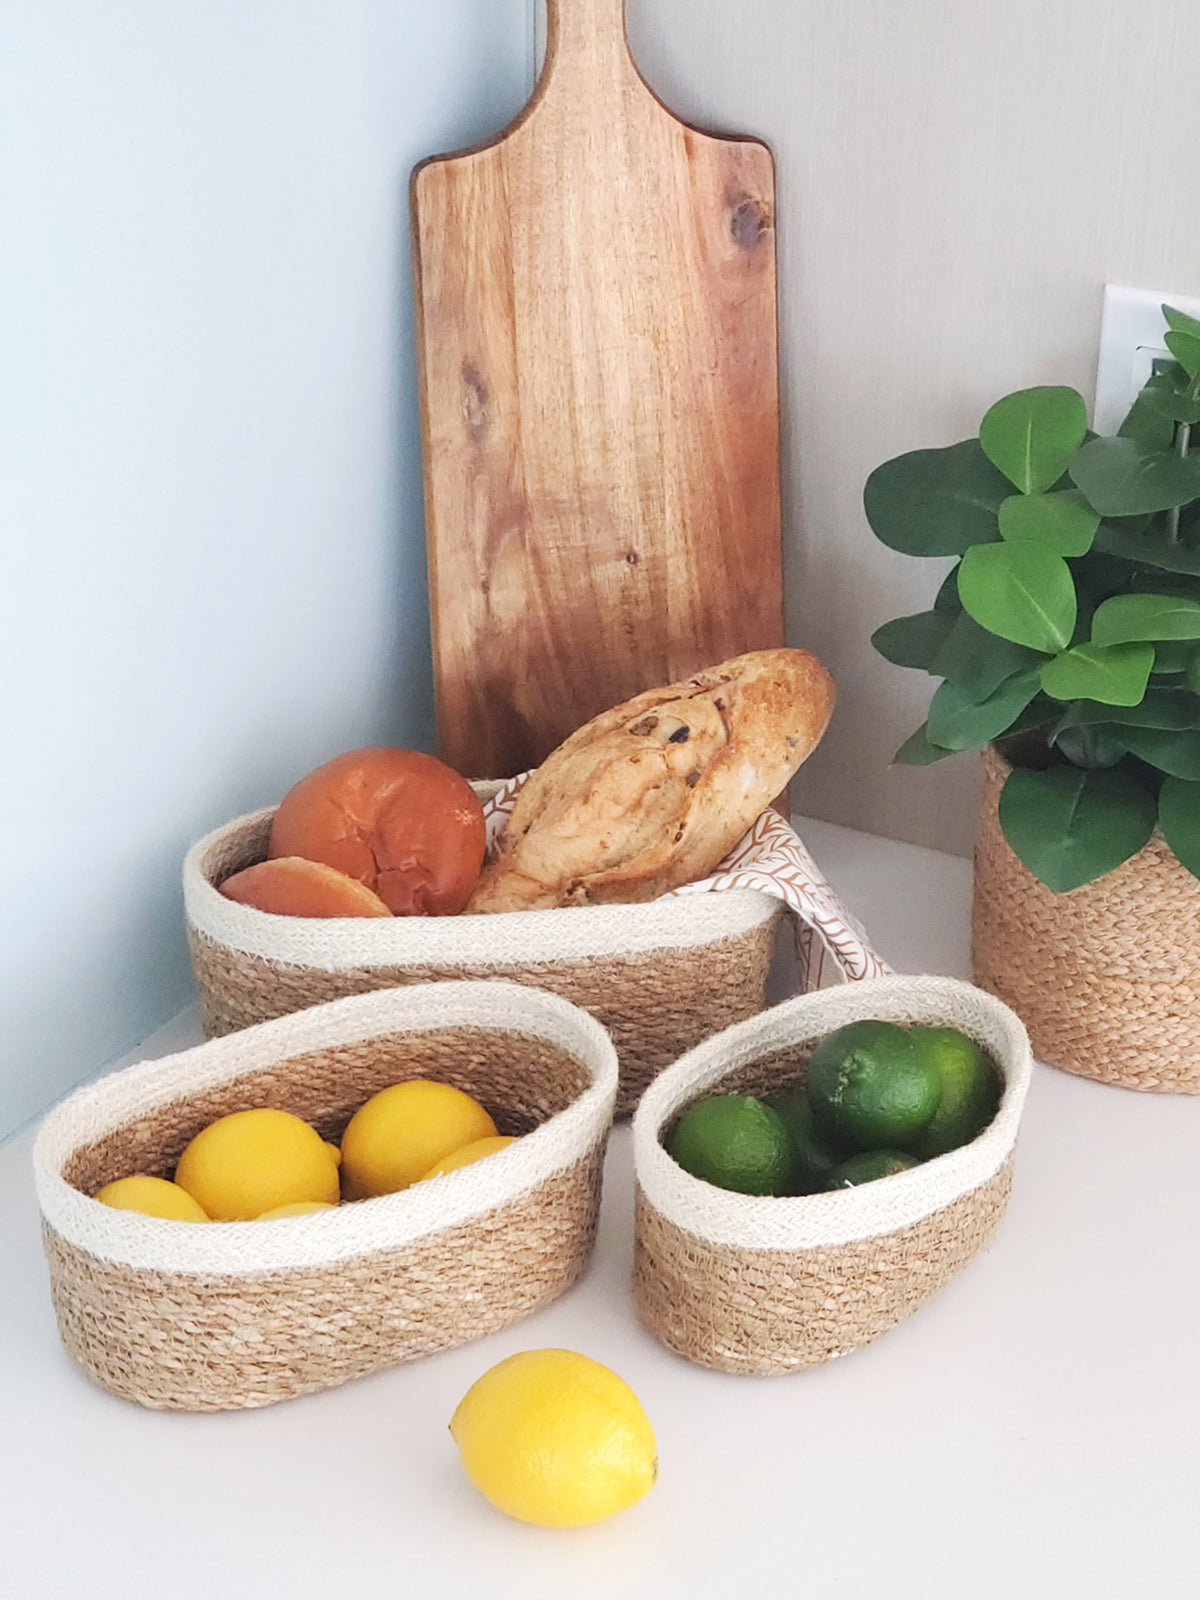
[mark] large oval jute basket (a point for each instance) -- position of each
(1107, 977)
(757, 1284)
(211, 1316)
(659, 977)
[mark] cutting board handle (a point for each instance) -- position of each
(584, 39)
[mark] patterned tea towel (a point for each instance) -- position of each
(772, 858)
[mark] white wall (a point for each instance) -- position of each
(210, 507)
(957, 181)
(209, 481)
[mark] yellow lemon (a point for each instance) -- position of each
(468, 1154)
(554, 1438)
(298, 1208)
(401, 1132)
(334, 1151)
(252, 1161)
(155, 1196)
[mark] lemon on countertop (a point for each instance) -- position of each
(403, 1131)
(252, 1161)
(554, 1438)
(154, 1196)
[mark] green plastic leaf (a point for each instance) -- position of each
(1147, 422)
(935, 502)
(1179, 321)
(977, 661)
(1121, 477)
(1185, 347)
(1039, 713)
(1097, 576)
(946, 599)
(1179, 584)
(913, 641)
(1115, 674)
(1173, 656)
(1091, 747)
(1071, 827)
(1145, 616)
(957, 721)
(1020, 592)
(916, 751)
(1158, 708)
(1179, 819)
(1138, 524)
(1063, 522)
(1175, 753)
(1146, 549)
(1169, 394)
(1032, 435)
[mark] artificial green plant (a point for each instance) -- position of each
(1068, 631)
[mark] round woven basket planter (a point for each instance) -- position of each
(1107, 977)
(659, 977)
(757, 1284)
(211, 1316)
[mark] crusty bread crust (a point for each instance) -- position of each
(653, 793)
(400, 821)
(289, 886)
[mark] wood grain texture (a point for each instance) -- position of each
(597, 332)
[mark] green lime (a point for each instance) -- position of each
(871, 1088)
(869, 1165)
(970, 1090)
(735, 1142)
(815, 1158)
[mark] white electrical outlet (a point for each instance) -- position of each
(1132, 329)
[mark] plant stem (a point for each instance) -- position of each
(1183, 435)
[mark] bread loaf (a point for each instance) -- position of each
(654, 793)
(399, 821)
(293, 887)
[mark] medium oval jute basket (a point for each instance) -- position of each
(659, 976)
(211, 1316)
(757, 1284)
(1107, 977)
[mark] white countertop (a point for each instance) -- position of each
(1033, 1431)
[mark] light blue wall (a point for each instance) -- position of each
(210, 504)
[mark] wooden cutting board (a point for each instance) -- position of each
(596, 320)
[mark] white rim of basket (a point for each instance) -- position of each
(845, 1215)
(348, 1231)
(340, 943)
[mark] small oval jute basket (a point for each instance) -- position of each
(211, 1316)
(659, 976)
(1106, 977)
(756, 1284)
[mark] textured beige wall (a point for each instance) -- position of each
(957, 181)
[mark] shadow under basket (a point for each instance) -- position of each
(758, 1284)
(213, 1316)
(659, 976)
(1107, 977)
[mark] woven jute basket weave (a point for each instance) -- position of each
(659, 977)
(755, 1284)
(1107, 977)
(211, 1316)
